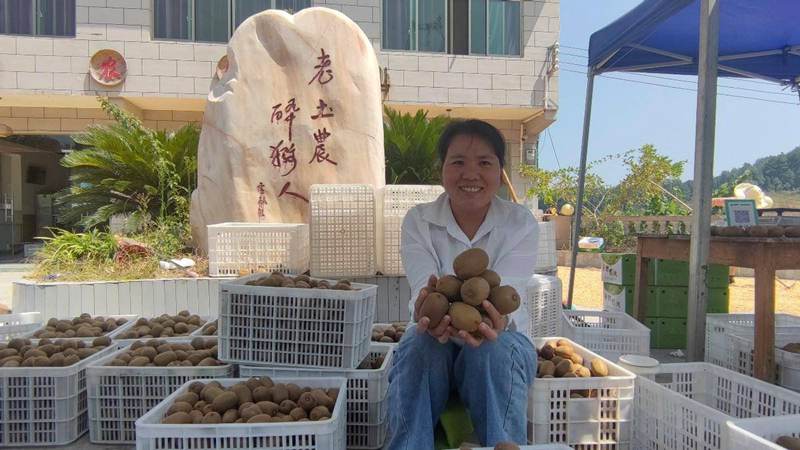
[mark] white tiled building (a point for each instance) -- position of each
(490, 59)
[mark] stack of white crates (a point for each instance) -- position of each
(611, 334)
(543, 299)
(547, 260)
(397, 200)
(342, 230)
(18, 324)
(236, 249)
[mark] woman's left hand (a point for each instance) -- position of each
(499, 323)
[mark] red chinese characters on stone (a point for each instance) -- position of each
(324, 73)
(283, 156)
(321, 110)
(320, 154)
(262, 200)
(285, 190)
(108, 69)
(287, 114)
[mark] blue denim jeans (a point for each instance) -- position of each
(492, 381)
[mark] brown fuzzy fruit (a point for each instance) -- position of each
(599, 368)
(474, 291)
(319, 413)
(449, 286)
(212, 417)
(230, 416)
(789, 442)
(546, 368)
(505, 299)
(470, 263)
(464, 317)
(224, 402)
(563, 368)
(434, 307)
(261, 418)
(491, 277)
(178, 418)
(506, 446)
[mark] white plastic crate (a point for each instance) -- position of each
(529, 447)
(760, 433)
(119, 395)
(730, 344)
(320, 435)
(687, 405)
(44, 406)
(19, 324)
(261, 325)
(611, 334)
(342, 230)
(235, 249)
(397, 200)
(601, 422)
(547, 260)
(366, 394)
(111, 334)
(543, 294)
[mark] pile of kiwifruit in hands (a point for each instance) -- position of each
(159, 353)
(388, 334)
(558, 359)
(182, 324)
(49, 353)
(257, 400)
(83, 326)
(278, 279)
(460, 296)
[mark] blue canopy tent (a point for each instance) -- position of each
(707, 38)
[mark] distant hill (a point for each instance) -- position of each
(778, 175)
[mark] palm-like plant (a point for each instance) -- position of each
(128, 168)
(410, 147)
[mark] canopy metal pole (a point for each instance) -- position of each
(587, 118)
(703, 175)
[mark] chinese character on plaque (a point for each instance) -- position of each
(108, 67)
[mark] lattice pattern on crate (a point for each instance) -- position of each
(118, 396)
(543, 295)
(690, 404)
(321, 435)
(235, 249)
(611, 334)
(295, 327)
(367, 404)
(342, 230)
(397, 200)
(603, 420)
(19, 324)
(547, 260)
(42, 406)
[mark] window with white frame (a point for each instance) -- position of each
(210, 20)
(476, 27)
(37, 17)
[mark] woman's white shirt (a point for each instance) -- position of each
(431, 239)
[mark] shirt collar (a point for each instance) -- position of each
(439, 213)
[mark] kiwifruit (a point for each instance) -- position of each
(196, 387)
(598, 368)
(162, 359)
(319, 412)
(506, 446)
(139, 361)
(8, 352)
(298, 413)
(224, 402)
(18, 343)
(261, 418)
(242, 392)
(307, 401)
(474, 291)
(576, 358)
(149, 352)
(792, 347)
(250, 411)
(179, 406)
(434, 307)
(287, 406)
(491, 277)
(789, 442)
(212, 417)
(546, 368)
(449, 286)
(470, 263)
(565, 351)
(279, 393)
(505, 299)
(268, 407)
(197, 416)
(208, 362)
(230, 416)
(294, 391)
(178, 418)
(583, 372)
(563, 367)
(547, 352)
(189, 397)
(57, 360)
(464, 317)
(261, 393)
(71, 359)
(210, 392)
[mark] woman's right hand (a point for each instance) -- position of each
(442, 331)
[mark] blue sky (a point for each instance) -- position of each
(627, 115)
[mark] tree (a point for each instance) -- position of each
(128, 168)
(410, 147)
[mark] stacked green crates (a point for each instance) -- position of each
(667, 294)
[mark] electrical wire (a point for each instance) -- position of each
(553, 146)
(683, 88)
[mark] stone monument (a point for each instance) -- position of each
(296, 101)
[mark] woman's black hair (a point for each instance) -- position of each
(472, 127)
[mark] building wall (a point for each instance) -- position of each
(159, 68)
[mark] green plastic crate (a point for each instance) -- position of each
(670, 332)
(664, 272)
(718, 300)
(618, 268)
(718, 276)
(667, 301)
